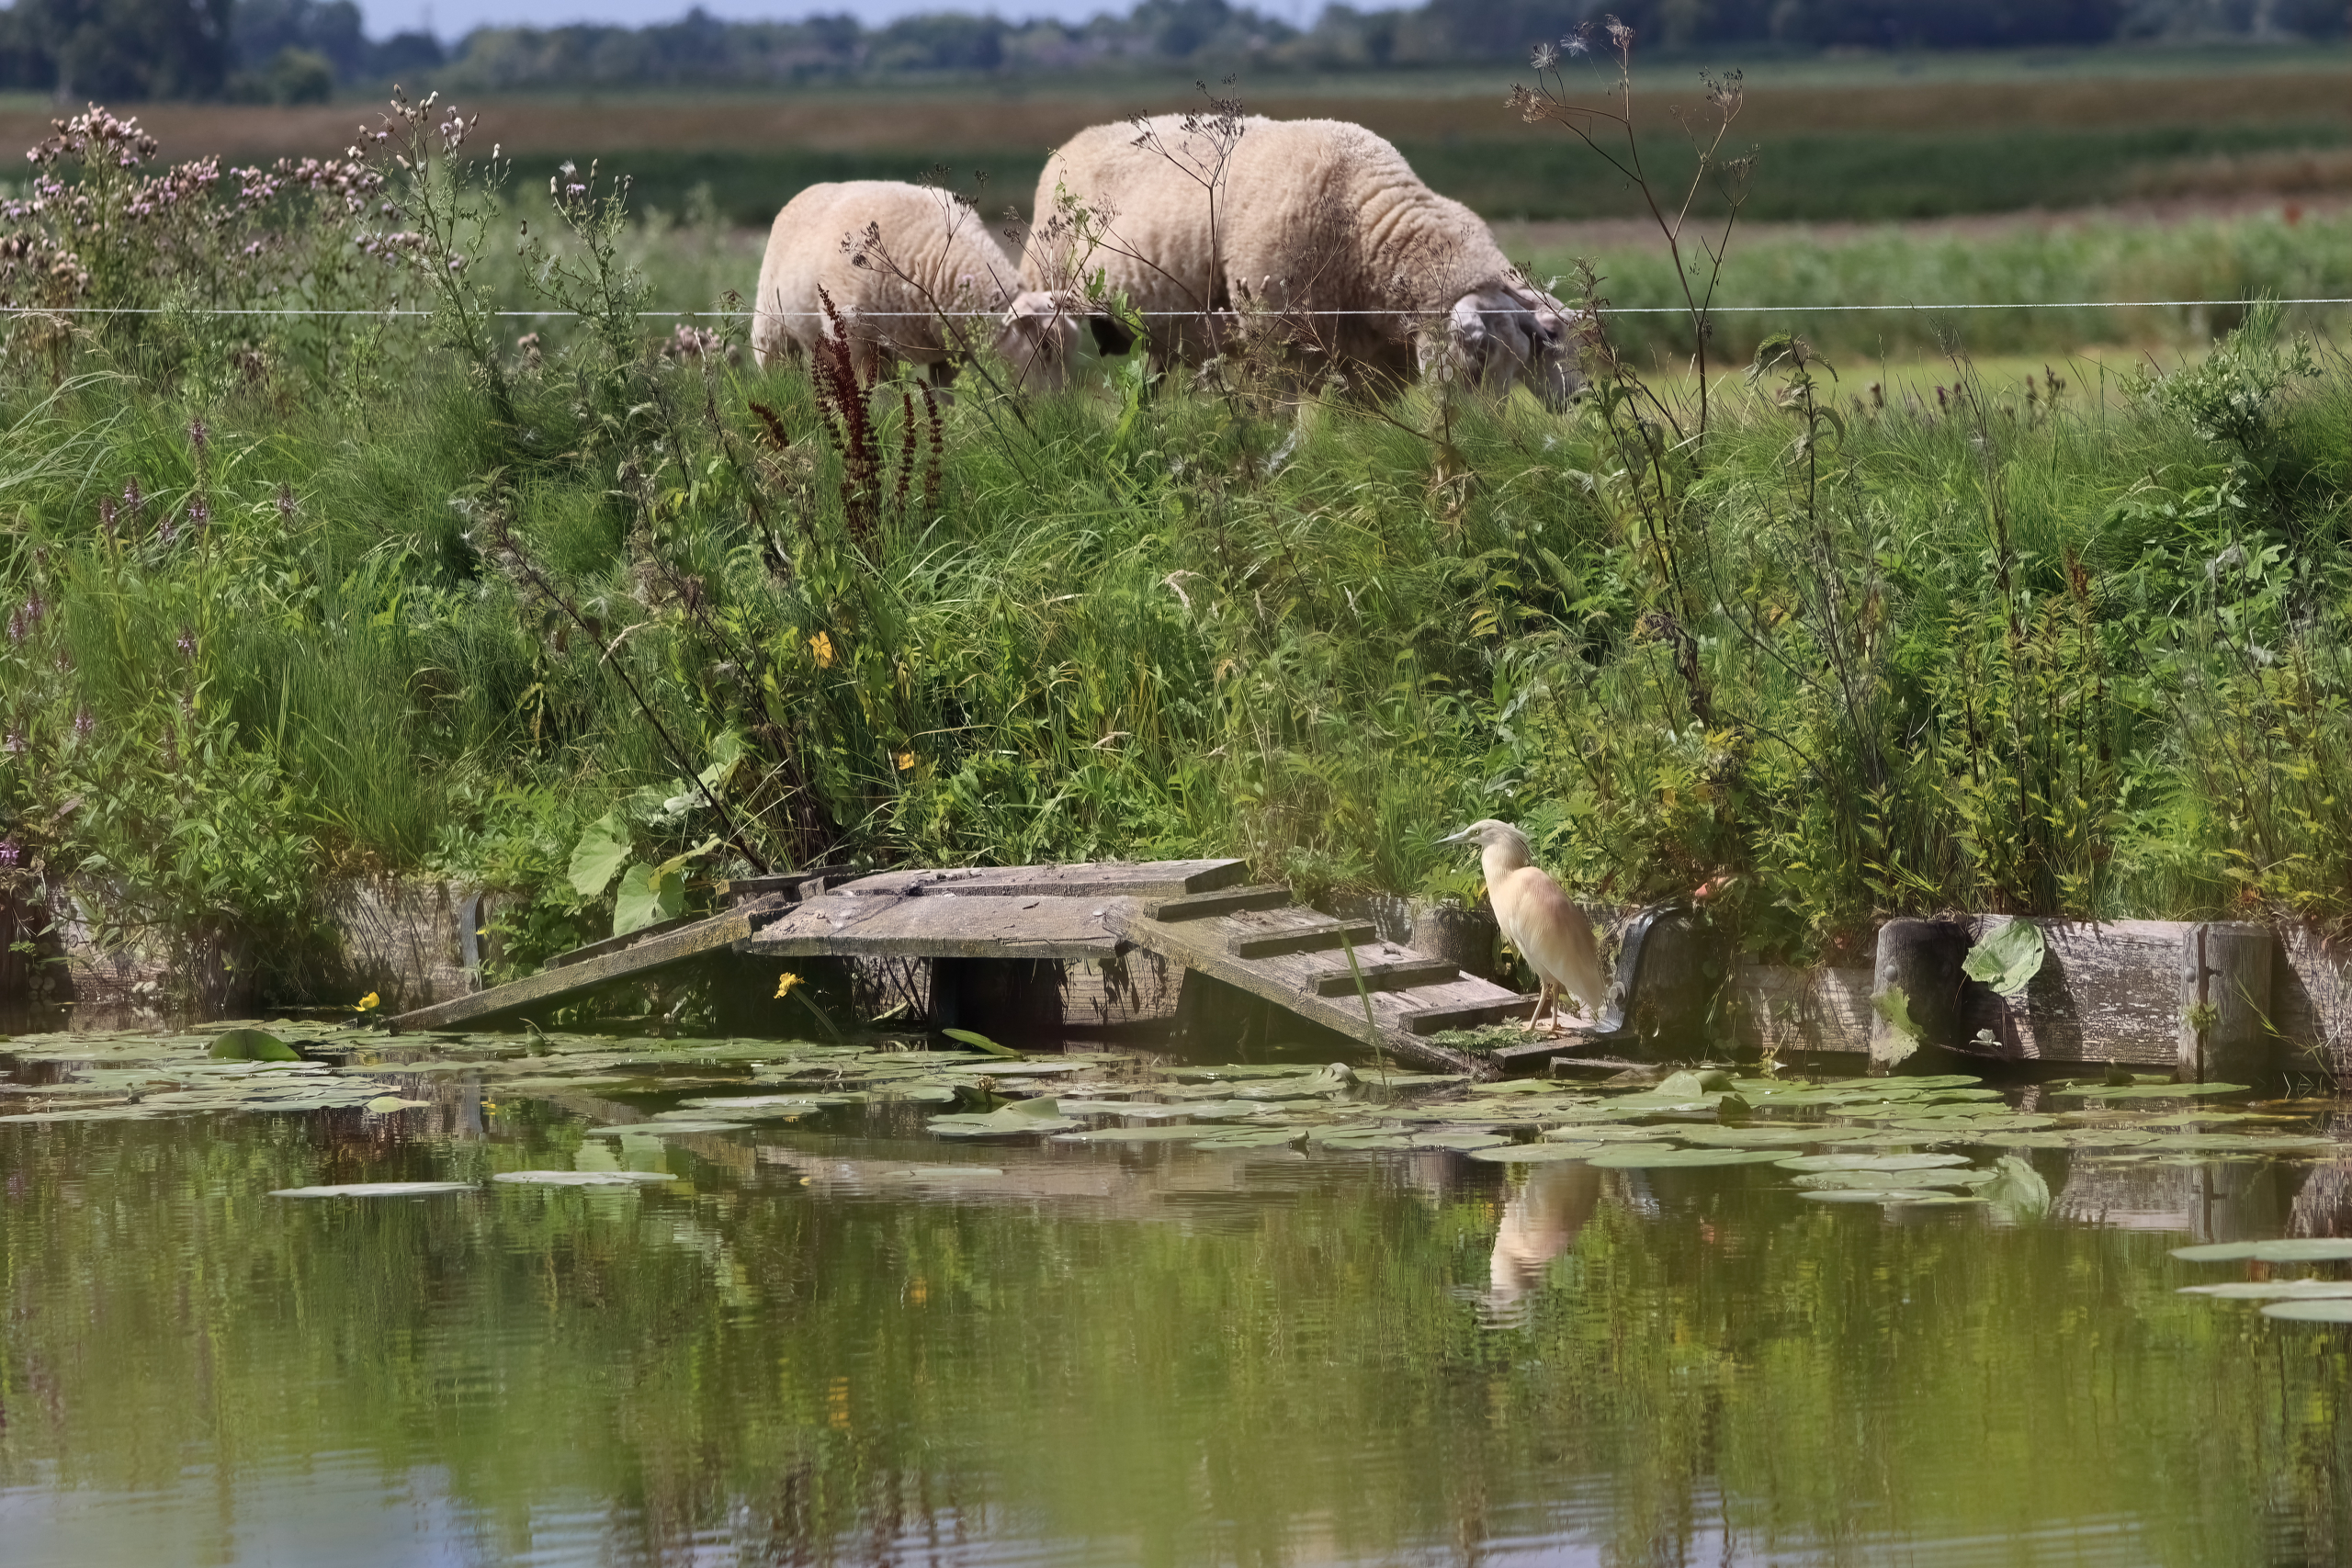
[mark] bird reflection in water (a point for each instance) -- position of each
(1540, 1220)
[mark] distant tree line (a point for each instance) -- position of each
(301, 51)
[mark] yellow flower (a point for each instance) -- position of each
(822, 647)
(370, 1001)
(784, 986)
(906, 759)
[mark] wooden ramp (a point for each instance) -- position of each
(1195, 914)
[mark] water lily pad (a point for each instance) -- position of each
(2235, 1143)
(377, 1190)
(1535, 1153)
(2291, 1249)
(1360, 1140)
(250, 1045)
(1324, 1080)
(1907, 1197)
(1254, 1138)
(1458, 1140)
(582, 1177)
(1021, 1119)
(384, 1104)
(2149, 1090)
(1159, 1134)
(2274, 1289)
(1871, 1162)
(1656, 1156)
(2310, 1312)
(1751, 1137)
(1885, 1180)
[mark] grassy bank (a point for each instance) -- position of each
(597, 618)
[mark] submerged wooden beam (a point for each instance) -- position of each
(563, 980)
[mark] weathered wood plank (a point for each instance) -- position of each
(1130, 879)
(941, 925)
(1470, 1015)
(1382, 975)
(614, 943)
(1318, 938)
(1780, 1008)
(799, 883)
(1286, 981)
(1200, 906)
(640, 961)
(2106, 992)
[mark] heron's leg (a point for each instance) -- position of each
(1547, 997)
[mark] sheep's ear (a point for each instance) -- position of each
(1111, 335)
(1469, 329)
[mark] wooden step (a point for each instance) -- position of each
(1392, 974)
(615, 943)
(1233, 901)
(1476, 1015)
(1314, 938)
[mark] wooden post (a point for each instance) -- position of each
(1919, 959)
(2225, 1031)
(1467, 939)
(1665, 993)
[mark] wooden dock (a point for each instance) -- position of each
(1198, 915)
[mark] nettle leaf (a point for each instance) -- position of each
(602, 850)
(2008, 957)
(649, 895)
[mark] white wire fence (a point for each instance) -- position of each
(1165, 315)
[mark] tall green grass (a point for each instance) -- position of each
(2026, 653)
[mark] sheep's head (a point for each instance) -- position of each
(1037, 336)
(1495, 336)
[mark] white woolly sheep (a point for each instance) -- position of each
(1324, 234)
(897, 260)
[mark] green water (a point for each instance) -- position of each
(833, 1341)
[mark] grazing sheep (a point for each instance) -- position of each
(894, 258)
(1324, 234)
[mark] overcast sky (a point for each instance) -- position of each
(452, 20)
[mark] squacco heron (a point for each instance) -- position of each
(1538, 920)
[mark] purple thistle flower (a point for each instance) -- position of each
(11, 852)
(34, 611)
(105, 511)
(14, 744)
(84, 725)
(198, 436)
(285, 502)
(186, 643)
(199, 513)
(168, 529)
(134, 500)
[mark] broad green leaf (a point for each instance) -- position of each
(1871, 1162)
(649, 896)
(2006, 957)
(1894, 1004)
(582, 1177)
(250, 1045)
(1653, 1156)
(1532, 1154)
(978, 1041)
(601, 852)
(2018, 1189)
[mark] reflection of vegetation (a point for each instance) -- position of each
(1297, 1367)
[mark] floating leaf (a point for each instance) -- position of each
(1255, 1139)
(582, 1177)
(2017, 1189)
(1458, 1140)
(1751, 1137)
(2006, 957)
(384, 1104)
(2296, 1249)
(250, 1045)
(980, 1041)
(1653, 1156)
(2270, 1290)
(1135, 1135)
(1871, 1162)
(376, 1190)
(1324, 1080)
(1908, 1196)
(2150, 1090)
(1885, 1180)
(2310, 1312)
(1690, 1084)
(601, 852)
(1021, 1119)
(1360, 1141)
(1532, 1154)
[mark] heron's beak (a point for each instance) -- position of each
(1461, 837)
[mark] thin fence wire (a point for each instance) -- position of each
(1159, 315)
